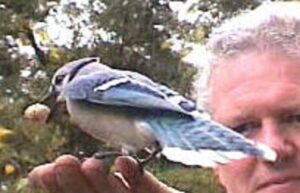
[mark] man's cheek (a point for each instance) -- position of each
(236, 169)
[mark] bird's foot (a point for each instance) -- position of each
(104, 155)
(143, 162)
(107, 158)
(81, 155)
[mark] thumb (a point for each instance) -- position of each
(140, 182)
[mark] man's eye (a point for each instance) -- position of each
(293, 118)
(246, 129)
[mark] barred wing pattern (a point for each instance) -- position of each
(114, 87)
(203, 141)
(186, 134)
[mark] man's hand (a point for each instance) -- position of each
(68, 175)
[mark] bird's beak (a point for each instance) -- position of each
(50, 99)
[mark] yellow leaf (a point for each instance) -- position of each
(5, 134)
(9, 169)
(54, 54)
(199, 34)
(166, 45)
(43, 35)
(22, 183)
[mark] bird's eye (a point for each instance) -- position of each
(59, 79)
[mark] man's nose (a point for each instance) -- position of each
(279, 139)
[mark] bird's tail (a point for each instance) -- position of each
(204, 142)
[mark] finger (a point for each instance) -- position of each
(141, 182)
(43, 177)
(100, 178)
(118, 181)
(128, 167)
(97, 175)
(69, 177)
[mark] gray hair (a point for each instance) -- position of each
(273, 26)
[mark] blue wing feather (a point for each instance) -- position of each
(199, 134)
(179, 124)
(124, 88)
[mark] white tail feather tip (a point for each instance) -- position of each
(268, 153)
(203, 158)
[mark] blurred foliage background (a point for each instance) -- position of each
(153, 37)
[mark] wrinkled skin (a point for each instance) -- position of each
(68, 175)
(261, 99)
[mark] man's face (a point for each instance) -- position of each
(258, 95)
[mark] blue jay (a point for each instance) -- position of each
(128, 110)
